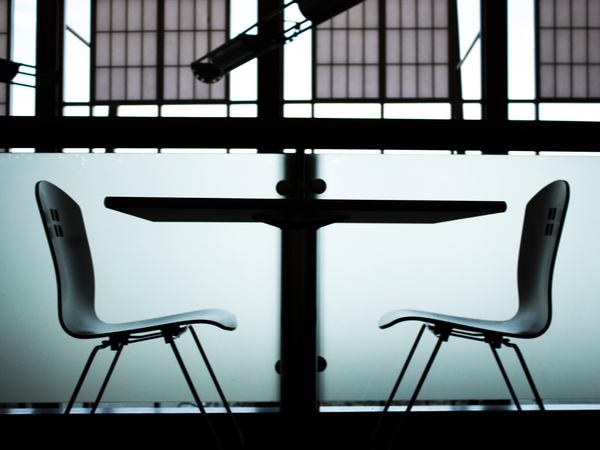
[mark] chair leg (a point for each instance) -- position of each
(506, 380)
(441, 338)
(83, 376)
(217, 385)
(75, 393)
(119, 349)
(398, 381)
(536, 394)
(170, 340)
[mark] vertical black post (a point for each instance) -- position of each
(270, 65)
(298, 365)
(6, 53)
(454, 78)
(494, 57)
(299, 402)
(299, 393)
(49, 57)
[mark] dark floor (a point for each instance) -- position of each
(347, 430)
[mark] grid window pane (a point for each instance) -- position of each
(125, 38)
(568, 36)
(143, 53)
(192, 28)
(408, 51)
(418, 30)
(4, 53)
(347, 54)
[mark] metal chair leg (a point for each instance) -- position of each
(119, 349)
(83, 376)
(536, 394)
(217, 385)
(441, 338)
(506, 380)
(398, 381)
(170, 340)
(75, 393)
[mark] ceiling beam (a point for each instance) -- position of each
(163, 132)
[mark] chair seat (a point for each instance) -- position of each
(522, 326)
(217, 317)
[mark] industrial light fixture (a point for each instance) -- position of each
(232, 54)
(245, 47)
(10, 69)
(318, 11)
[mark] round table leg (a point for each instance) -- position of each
(299, 391)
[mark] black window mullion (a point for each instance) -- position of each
(432, 37)
(227, 33)
(110, 52)
(7, 90)
(178, 90)
(555, 49)
(364, 52)
(587, 56)
(332, 49)
(571, 48)
(194, 31)
(382, 58)
(400, 47)
(347, 15)
(417, 64)
(160, 52)
(125, 71)
(588, 42)
(142, 31)
(454, 74)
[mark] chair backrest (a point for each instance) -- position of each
(542, 228)
(72, 258)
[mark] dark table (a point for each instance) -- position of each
(299, 220)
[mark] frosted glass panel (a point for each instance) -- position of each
(466, 267)
(143, 269)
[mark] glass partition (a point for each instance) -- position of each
(466, 267)
(143, 269)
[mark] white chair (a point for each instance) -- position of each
(542, 227)
(65, 230)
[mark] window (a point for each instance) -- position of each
(386, 50)
(390, 52)
(5, 26)
(568, 43)
(346, 54)
(380, 59)
(142, 49)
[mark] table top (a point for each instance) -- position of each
(184, 209)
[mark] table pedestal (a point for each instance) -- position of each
(299, 386)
